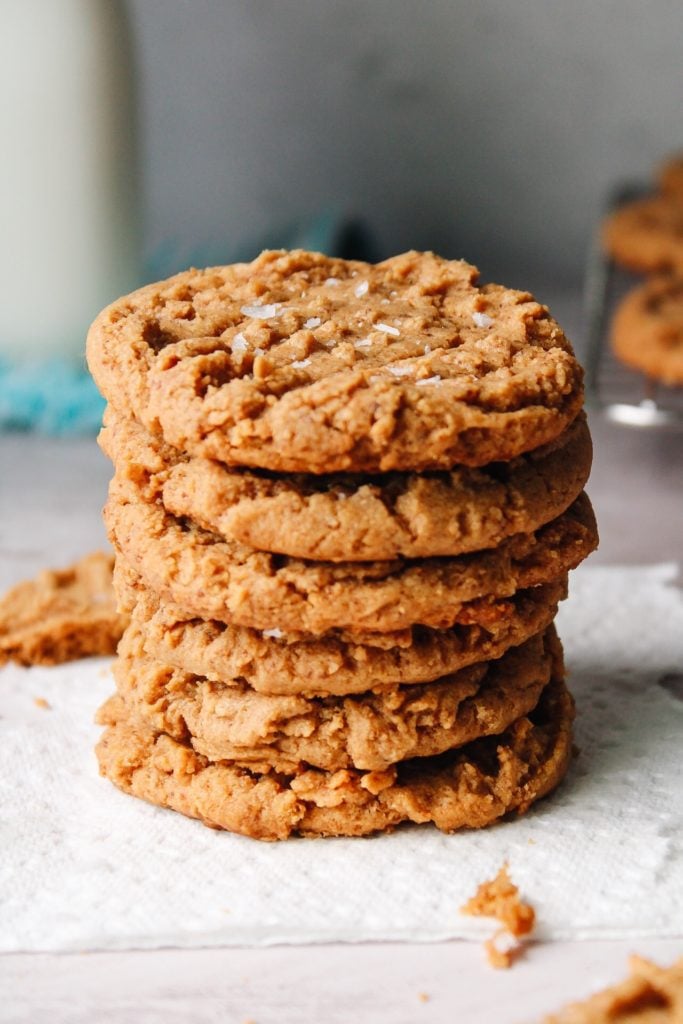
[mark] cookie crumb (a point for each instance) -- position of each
(650, 993)
(40, 702)
(424, 997)
(499, 898)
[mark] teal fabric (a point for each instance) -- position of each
(60, 398)
(54, 397)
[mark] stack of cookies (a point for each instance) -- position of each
(345, 503)
(645, 236)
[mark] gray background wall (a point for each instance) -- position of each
(489, 129)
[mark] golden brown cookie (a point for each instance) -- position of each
(651, 995)
(228, 721)
(647, 329)
(62, 615)
(471, 787)
(350, 518)
(302, 363)
(646, 235)
(211, 578)
(338, 663)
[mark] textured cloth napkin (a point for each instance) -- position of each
(85, 867)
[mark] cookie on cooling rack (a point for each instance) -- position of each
(647, 330)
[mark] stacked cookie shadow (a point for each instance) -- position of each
(645, 236)
(345, 503)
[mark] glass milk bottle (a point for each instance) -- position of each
(68, 175)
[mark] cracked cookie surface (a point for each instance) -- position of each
(337, 663)
(470, 787)
(208, 577)
(344, 517)
(298, 362)
(227, 720)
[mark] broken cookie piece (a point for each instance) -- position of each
(651, 995)
(62, 615)
(499, 898)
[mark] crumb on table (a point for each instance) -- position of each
(40, 702)
(499, 898)
(651, 994)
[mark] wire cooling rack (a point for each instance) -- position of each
(623, 395)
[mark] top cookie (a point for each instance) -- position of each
(301, 363)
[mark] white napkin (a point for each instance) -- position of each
(86, 867)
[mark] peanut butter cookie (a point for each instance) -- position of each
(646, 235)
(470, 787)
(297, 362)
(206, 576)
(337, 663)
(647, 330)
(228, 721)
(342, 517)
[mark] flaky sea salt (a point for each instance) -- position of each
(394, 331)
(428, 380)
(401, 371)
(274, 634)
(361, 289)
(428, 349)
(300, 363)
(239, 343)
(312, 322)
(482, 319)
(261, 312)
(362, 343)
(331, 282)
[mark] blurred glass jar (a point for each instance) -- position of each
(68, 174)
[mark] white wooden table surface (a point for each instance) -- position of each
(50, 498)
